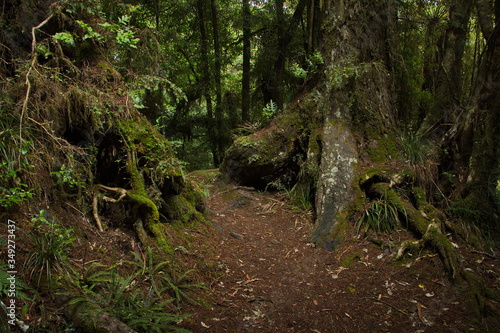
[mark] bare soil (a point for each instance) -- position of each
(274, 280)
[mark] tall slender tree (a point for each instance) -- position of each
(245, 80)
(219, 127)
(206, 80)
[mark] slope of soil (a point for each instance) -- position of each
(274, 280)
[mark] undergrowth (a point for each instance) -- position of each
(144, 294)
(51, 244)
(380, 216)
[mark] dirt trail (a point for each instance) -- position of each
(274, 280)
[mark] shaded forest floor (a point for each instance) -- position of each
(274, 280)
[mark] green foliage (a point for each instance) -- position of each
(302, 198)
(414, 147)
(314, 61)
(298, 71)
(65, 176)
(44, 50)
(12, 195)
(49, 252)
(89, 32)
(137, 299)
(269, 111)
(125, 35)
(162, 280)
(180, 285)
(14, 156)
(65, 37)
(380, 216)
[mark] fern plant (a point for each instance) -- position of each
(270, 110)
(180, 286)
(131, 298)
(161, 280)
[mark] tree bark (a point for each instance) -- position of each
(220, 144)
(279, 65)
(245, 81)
(206, 82)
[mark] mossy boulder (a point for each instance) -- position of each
(270, 154)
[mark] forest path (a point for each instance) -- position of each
(274, 280)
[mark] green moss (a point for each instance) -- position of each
(158, 230)
(350, 259)
(383, 150)
(150, 157)
(108, 71)
(179, 208)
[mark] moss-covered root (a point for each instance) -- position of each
(91, 318)
(428, 224)
(426, 220)
(149, 219)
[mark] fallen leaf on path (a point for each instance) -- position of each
(421, 316)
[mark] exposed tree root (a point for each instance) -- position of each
(427, 222)
(148, 214)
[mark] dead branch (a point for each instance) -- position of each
(96, 213)
(32, 65)
(388, 304)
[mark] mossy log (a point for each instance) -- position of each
(90, 318)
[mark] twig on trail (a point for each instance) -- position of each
(259, 299)
(494, 256)
(388, 304)
(194, 231)
(237, 188)
(278, 201)
(244, 283)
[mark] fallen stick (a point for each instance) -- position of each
(388, 304)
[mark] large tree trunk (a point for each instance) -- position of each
(356, 107)
(356, 93)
